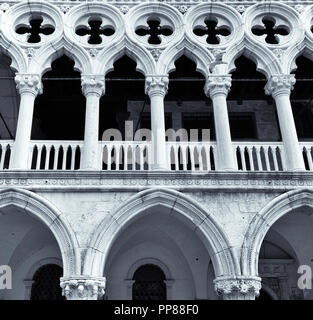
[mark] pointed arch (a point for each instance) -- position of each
(264, 220)
(204, 224)
(266, 62)
(42, 60)
(142, 57)
(35, 205)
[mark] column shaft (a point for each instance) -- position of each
(217, 88)
(93, 88)
(156, 88)
(29, 86)
(279, 86)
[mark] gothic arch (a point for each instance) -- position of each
(266, 62)
(264, 220)
(35, 205)
(213, 236)
(42, 60)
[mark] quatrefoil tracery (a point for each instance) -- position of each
(212, 30)
(154, 30)
(35, 29)
(95, 30)
(270, 30)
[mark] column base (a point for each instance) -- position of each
(83, 287)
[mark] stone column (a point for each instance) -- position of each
(280, 86)
(28, 85)
(93, 89)
(238, 288)
(217, 88)
(156, 87)
(83, 287)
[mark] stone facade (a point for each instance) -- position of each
(228, 233)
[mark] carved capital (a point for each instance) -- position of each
(83, 287)
(217, 84)
(238, 288)
(156, 85)
(93, 84)
(28, 83)
(280, 84)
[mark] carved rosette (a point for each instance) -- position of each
(238, 288)
(156, 85)
(217, 84)
(280, 84)
(28, 83)
(93, 84)
(83, 287)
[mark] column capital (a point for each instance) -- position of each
(28, 83)
(217, 84)
(280, 84)
(83, 287)
(156, 85)
(93, 83)
(238, 288)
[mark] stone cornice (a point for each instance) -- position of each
(85, 181)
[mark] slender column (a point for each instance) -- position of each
(279, 86)
(93, 89)
(217, 88)
(83, 287)
(238, 288)
(156, 88)
(29, 85)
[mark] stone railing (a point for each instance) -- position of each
(55, 155)
(5, 153)
(260, 156)
(191, 156)
(125, 155)
(137, 155)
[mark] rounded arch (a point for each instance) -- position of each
(35, 205)
(153, 261)
(212, 235)
(264, 220)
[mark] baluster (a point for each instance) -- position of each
(48, 149)
(38, 160)
(274, 153)
(117, 157)
(199, 148)
(56, 157)
(65, 150)
(3, 154)
(208, 157)
(258, 157)
(250, 149)
(309, 157)
(183, 150)
(242, 157)
(267, 160)
(283, 158)
(192, 157)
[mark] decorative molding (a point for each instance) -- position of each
(156, 52)
(233, 288)
(280, 84)
(83, 287)
(93, 84)
(156, 85)
(217, 84)
(28, 83)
